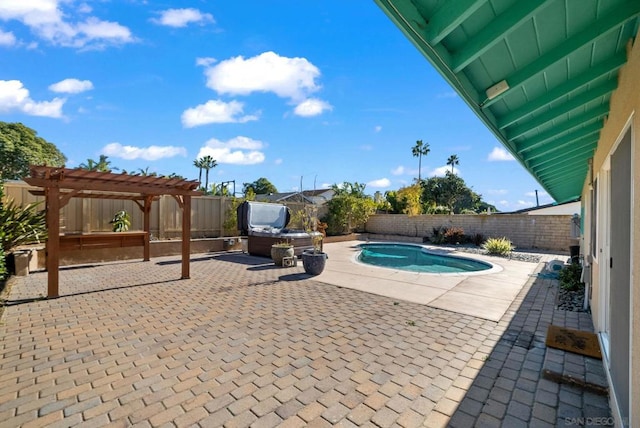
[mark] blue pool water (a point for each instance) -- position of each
(415, 258)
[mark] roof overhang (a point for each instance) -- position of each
(538, 73)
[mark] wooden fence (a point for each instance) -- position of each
(208, 214)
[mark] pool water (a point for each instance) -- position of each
(416, 258)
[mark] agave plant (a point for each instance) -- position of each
(21, 225)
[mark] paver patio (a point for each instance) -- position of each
(244, 343)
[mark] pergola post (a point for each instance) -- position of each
(186, 235)
(52, 201)
(146, 227)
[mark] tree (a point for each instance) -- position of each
(207, 163)
(450, 193)
(353, 189)
(103, 165)
(20, 147)
(261, 186)
(146, 173)
(349, 209)
(419, 150)
(405, 200)
(198, 164)
(453, 161)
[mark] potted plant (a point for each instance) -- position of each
(314, 260)
(280, 250)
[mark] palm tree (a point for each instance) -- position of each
(453, 160)
(103, 165)
(207, 163)
(419, 150)
(198, 164)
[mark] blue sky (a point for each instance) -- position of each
(297, 92)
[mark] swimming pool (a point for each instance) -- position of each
(415, 258)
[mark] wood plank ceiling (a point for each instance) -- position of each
(538, 73)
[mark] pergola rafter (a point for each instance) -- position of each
(59, 185)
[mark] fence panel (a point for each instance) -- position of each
(87, 215)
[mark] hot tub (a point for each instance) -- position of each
(264, 224)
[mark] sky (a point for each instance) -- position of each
(305, 94)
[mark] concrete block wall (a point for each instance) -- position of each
(549, 232)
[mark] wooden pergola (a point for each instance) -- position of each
(61, 184)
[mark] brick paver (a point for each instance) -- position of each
(244, 343)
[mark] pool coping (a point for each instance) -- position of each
(486, 295)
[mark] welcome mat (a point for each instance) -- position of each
(576, 341)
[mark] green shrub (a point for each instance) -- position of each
(477, 239)
(3, 266)
(230, 224)
(499, 246)
(437, 235)
(569, 277)
(20, 225)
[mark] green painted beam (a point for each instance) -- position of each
(568, 158)
(495, 31)
(598, 29)
(578, 121)
(557, 112)
(448, 17)
(562, 171)
(567, 190)
(543, 153)
(591, 131)
(605, 67)
(412, 25)
(556, 152)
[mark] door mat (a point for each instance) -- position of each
(576, 341)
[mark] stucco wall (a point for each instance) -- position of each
(624, 111)
(551, 232)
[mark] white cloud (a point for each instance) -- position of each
(7, 38)
(312, 107)
(366, 147)
(498, 191)
(524, 204)
(216, 111)
(292, 78)
(182, 17)
(500, 154)
(541, 194)
(380, 183)
(450, 94)
(14, 96)
(441, 171)
(377, 128)
(150, 153)
(504, 203)
(205, 61)
(48, 21)
(239, 151)
(278, 161)
(71, 86)
(398, 171)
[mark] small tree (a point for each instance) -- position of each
(406, 200)
(349, 209)
(261, 186)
